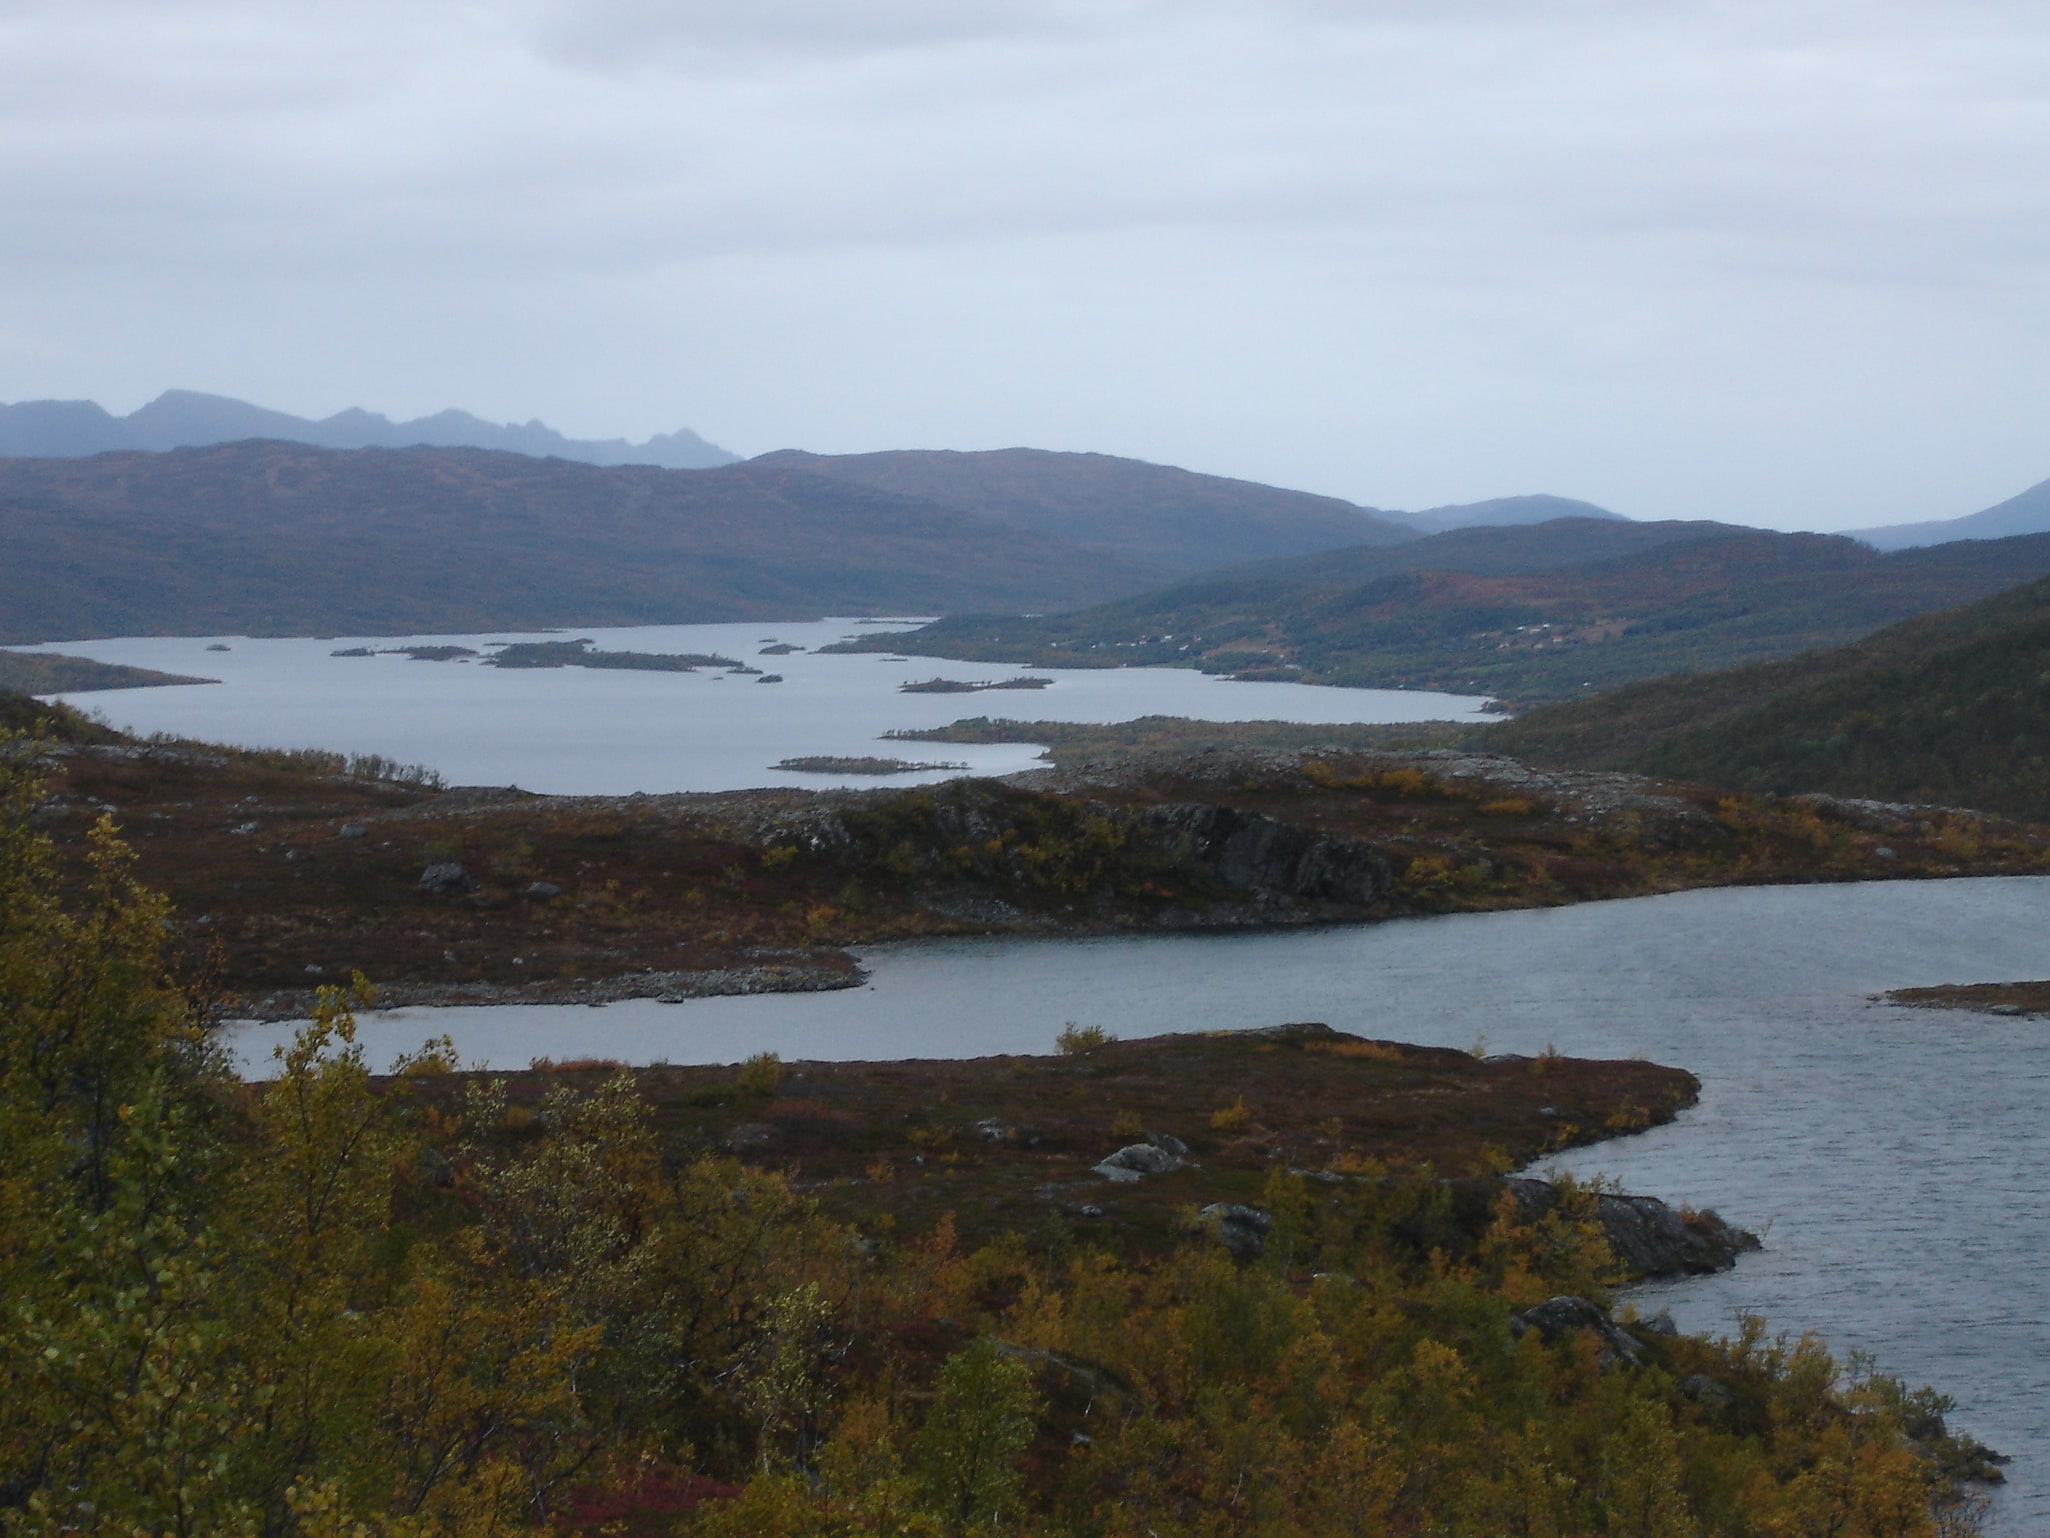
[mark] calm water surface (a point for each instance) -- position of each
(589, 731)
(1894, 1159)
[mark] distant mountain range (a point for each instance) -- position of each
(265, 535)
(1531, 613)
(180, 419)
(2028, 513)
(1950, 708)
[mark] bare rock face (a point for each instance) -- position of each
(1250, 850)
(447, 879)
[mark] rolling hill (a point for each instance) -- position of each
(269, 538)
(1528, 614)
(1175, 521)
(180, 419)
(1951, 708)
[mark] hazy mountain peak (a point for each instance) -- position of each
(2026, 513)
(1496, 512)
(193, 419)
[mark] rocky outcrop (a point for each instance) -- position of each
(1650, 1238)
(1256, 852)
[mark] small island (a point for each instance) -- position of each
(966, 686)
(417, 653)
(581, 653)
(826, 763)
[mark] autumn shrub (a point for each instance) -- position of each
(1074, 1040)
(331, 1303)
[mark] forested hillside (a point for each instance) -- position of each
(1528, 614)
(1951, 708)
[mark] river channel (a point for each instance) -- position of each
(1894, 1159)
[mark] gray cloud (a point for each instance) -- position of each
(1782, 262)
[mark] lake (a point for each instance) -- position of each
(1893, 1158)
(590, 731)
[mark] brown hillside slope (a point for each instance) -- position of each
(1175, 520)
(273, 538)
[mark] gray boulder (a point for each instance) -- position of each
(1704, 1390)
(1137, 1160)
(1240, 1229)
(1562, 1318)
(446, 879)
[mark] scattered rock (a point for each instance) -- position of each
(1660, 1323)
(993, 1129)
(541, 891)
(1240, 1229)
(1139, 1159)
(352, 830)
(446, 879)
(1558, 1319)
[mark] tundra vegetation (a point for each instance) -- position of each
(286, 870)
(446, 1302)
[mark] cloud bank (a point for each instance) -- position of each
(1779, 263)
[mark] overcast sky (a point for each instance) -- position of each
(1783, 263)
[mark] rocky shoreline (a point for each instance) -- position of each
(2024, 998)
(665, 987)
